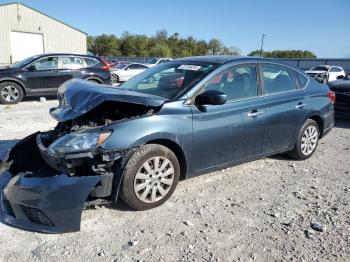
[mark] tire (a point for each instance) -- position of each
(307, 141)
(138, 185)
(10, 93)
(114, 79)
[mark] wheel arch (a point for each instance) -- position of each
(318, 119)
(96, 79)
(2, 80)
(179, 153)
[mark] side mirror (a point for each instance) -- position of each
(126, 69)
(31, 68)
(340, 77)
(211, 97)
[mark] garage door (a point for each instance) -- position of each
(24, 45)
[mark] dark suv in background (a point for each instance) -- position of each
(41, 75)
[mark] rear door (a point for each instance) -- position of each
(286, 107)
(233, 131)
(70, 67)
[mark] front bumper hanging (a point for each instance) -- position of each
(51, 202)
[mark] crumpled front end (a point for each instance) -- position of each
(40, 192)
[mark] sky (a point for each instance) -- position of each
(321, 26)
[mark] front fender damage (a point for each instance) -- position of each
(39, 195)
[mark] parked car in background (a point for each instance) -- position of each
(122, 72)
(156, 61)
(41, 75)
(202, 114)
(341, 88)
(330, 73)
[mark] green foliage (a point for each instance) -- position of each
(284, 54)
(159, 45)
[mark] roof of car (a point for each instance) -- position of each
(328, 66)
(68, 54)
(219, 59)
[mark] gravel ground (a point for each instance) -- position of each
(272, 209)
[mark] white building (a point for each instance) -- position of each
(25, 31)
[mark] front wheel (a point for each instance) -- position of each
(10, 93)
(307, 141)
(150, 177)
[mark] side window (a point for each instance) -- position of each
(277, 79)
(46, 63)
(91, 61)
(72, 62)
(302, 80)
(132, 66)
(136, 66)
(333, 69)
(236, 82)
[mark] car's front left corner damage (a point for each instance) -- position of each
(44, 192)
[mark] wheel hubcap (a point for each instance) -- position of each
(309, 140)
(154, 179)
(10, 93)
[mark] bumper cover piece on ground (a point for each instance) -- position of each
(46, 204)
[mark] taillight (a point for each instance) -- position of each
(331, 96)
(105, 67)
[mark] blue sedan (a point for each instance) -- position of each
(174, 121)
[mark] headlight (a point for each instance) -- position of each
(76, 142)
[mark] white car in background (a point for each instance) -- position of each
(124, 71)
(156, 61)
(331, 73)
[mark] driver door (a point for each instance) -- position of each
(42, 75)
(233, 131)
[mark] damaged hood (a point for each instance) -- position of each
(77, 97)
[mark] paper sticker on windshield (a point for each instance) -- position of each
(190, 67)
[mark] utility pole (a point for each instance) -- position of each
(262, 44)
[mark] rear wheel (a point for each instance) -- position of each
(10, 93)
(150, 177)
(307, 141)
(114, 79)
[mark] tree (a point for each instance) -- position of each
(103, 45)
(160, 45)
(230, 51)
(160, 50)
(284, 54)
(215, 46)
(134, 45)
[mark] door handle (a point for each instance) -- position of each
(255, 113)
(300, 105)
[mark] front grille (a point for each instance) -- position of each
(35, 215)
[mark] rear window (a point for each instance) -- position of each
(91, 61)
(277, 79)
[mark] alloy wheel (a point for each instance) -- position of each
(10, 93)
(154, 179)
(309, 140)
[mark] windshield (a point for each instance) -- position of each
(319, 68)
(169, 79)
(24, 62)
